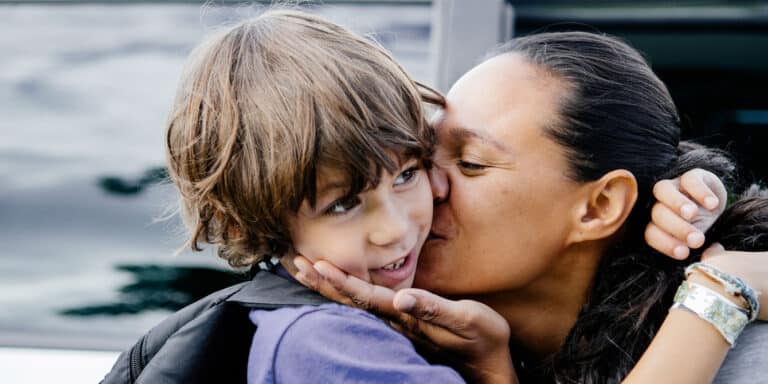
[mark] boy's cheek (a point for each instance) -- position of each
(347, 263)
(355, 268)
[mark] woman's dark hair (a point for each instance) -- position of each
(744, 225)
(616, 114)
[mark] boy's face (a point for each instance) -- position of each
(376, 235)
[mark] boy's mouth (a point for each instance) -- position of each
(396, 265)
(394, 274)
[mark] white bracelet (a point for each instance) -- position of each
(732, 284)
(728, 318)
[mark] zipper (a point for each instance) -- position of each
(137, 364)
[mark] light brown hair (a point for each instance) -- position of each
(262, 104)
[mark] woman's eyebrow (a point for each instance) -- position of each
(462, 135)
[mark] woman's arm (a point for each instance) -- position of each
(685, 350)
(471, 333)
(689, 350)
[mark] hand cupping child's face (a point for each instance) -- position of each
(376, 235)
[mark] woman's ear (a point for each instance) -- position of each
(606, 204)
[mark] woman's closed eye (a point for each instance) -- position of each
(470, 166)
(342, 206)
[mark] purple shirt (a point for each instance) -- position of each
(333, 343)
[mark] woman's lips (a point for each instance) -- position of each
(393, 277)
(435, 236)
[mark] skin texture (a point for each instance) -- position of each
(383, 225)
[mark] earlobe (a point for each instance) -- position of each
(605, 207)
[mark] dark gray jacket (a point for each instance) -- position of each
(747, 362)
(209, 340)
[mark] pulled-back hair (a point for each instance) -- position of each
(616, 114)
(264, 103)
(743, 226)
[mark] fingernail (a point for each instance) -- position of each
(695, 239)
(322, 270)
(301, 266)
(405, 303)
(688, 210)
(680, 252)
(711, 202)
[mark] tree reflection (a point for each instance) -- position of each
(117, 185)
(161, 288)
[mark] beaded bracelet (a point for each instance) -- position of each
(728, 318)
(732, 284)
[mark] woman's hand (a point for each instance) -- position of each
(752, 267)
(472, 334)
(686, 207)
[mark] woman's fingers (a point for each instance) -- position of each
(469, 331)
(307, 275)
(465, 318)
(356, 292)
(466, 329)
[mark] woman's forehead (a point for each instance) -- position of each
(498, 100)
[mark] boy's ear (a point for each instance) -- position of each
(604, 207)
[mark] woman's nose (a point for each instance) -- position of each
(438, 180)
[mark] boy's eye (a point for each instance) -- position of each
(342, 206)
(406, 176)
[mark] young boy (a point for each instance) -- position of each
(292, 135)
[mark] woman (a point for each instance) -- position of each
(576, 133)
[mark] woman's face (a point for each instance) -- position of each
(504, 221)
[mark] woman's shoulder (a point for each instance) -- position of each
(748, 359)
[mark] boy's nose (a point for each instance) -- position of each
(389, 227)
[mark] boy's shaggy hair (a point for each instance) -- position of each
(262, 105)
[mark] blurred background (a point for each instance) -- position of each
(88, 260)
